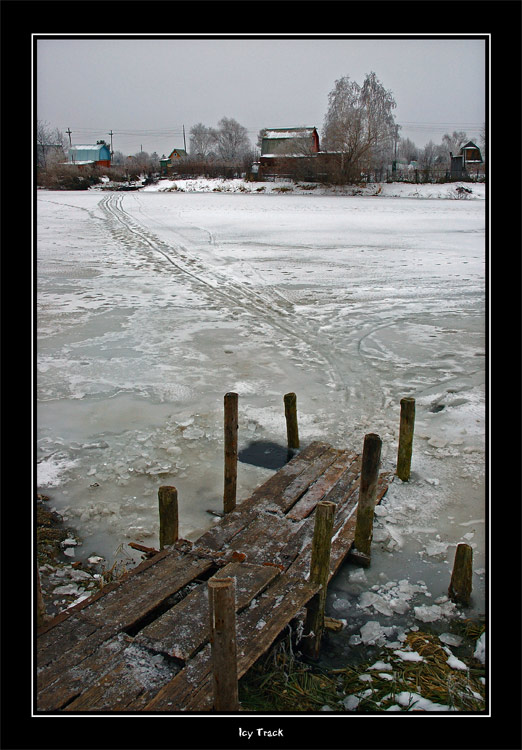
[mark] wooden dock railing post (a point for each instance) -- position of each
(168, 514)
(407, 424)
(319, 573)
(222, 608)
(461, 577)
(292, 431)
(371, 458)
(231, 430)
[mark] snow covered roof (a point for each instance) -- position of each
(87, 146)
(288, 132)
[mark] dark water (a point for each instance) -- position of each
(265, 454)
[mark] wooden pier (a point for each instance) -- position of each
(143, 643)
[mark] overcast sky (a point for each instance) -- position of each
(146, 90)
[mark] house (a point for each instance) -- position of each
(470, 155)
(287, 152)
(168, 161)
(98, 155)
(468, 161)
(289, 142)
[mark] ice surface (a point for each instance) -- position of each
(152, 305)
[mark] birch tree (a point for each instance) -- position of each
(232, 140)
(359, 123)
(202, 141)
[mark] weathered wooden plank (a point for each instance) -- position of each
(263, 539)
(136, 675)
(257, 628)
(64, 636)
(180, 548)
(347, 483)
(261, 499)
(297, 541)
(138, 597)
(185, 628)
(62, 681)
(344, 525)
(319, 488)
(300, 484)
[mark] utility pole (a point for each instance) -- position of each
(68, 131)
(112, 152)
(184, 141)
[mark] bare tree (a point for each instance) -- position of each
(407, 150)
(202, 141)
(454, 142)
(483, 142)
(231, 140)
(51, 144)
(117, 158)
(359, 123)
(260, 137)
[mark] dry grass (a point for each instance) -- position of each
(282, 683)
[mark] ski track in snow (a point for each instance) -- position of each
(274, 309)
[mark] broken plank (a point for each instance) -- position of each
(317, 491)
(257, 628)
(261, 498)
(185, 628)
(70, 611)
(135, 676)
(300, 484)
(137, 598)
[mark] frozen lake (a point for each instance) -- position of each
(152, 305)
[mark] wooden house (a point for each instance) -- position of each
(289, 142)
(170, 160)
(467, 162)
(471, 155)
(98, 155)
(287, 151)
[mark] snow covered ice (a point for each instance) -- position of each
(151, 305)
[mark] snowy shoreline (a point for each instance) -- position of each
(428, 191)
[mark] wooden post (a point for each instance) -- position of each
(319, 573)
(461, 577)
(405, 438)
(292, 431)
(367, 495)
(222, 608)
(231, 428)
(168, 513)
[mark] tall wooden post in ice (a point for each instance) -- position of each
(292, 430)
(371, 458)
(168, 513)
(405, 438)
(231, 428)
(319, 573)
(461, 577)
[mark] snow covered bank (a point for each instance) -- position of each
(448, 191)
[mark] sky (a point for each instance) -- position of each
(150, 92)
